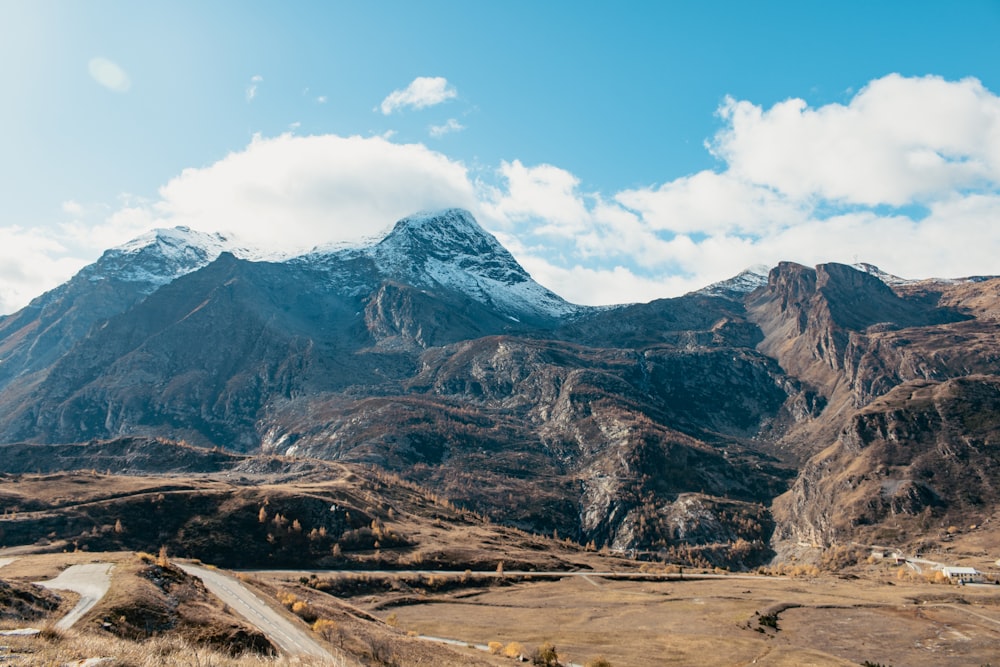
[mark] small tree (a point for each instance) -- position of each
(514, 650)
(162, 560)
(303, 610)
(545, 656)
(326, 629)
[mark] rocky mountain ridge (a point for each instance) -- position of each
(713, 427)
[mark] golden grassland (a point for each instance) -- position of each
(835, 607)
(868, 612)
(805, 617)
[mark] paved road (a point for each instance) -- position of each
(290, 639)
(90, 580)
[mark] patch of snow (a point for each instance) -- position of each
(446, 249)
(743, 283)
(161, 256)
(887, 278)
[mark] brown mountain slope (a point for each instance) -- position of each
(658, 426)
(923, 457)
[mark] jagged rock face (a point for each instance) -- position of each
(404, 318)
(845, 333)
(488, 420)
(665, 427)
(922, 455)
(914, 384)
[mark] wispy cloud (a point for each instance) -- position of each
(72, 207)
(452, 125)
(252, 88)
(109, 74)
(424, 91)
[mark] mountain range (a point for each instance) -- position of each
(785, 407)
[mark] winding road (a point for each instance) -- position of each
(290, 639)
(90, 580)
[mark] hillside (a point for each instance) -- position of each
(680, 427)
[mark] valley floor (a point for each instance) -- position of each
(697, 620)
(824, 620)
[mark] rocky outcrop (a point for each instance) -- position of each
(921, 457)
(668, 427)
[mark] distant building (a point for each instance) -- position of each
(963, 575)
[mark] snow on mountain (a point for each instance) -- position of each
(892, 280)
(450, 249)
(887, 278)
(159, 257)
(742, 283)
(443, 249)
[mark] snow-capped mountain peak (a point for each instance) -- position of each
(450, 249)
(743, 283)
(159, 256)
(887, 278)
(453, 237)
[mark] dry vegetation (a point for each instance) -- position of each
(869, 610)
(59, 648)
(806, 620)
(338, 516)
(835, 606)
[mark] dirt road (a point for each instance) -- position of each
(289, 638)
(90, 580)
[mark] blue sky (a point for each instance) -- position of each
(622, 151)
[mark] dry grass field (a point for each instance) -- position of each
(877, 617)
(821, 620)
(155, 615)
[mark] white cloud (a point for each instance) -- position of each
(109, 74)
(580, 284)
(289, 193)
(712, 203)
(543, 195)
(452, 125)
(251, 91)
(33, 260)
(424, 91)
(899, 140)
(798, 184)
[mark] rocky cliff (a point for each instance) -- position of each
(669, 427)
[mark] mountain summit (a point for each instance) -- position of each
(450, 249)
(158, 257)
(712, 428)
